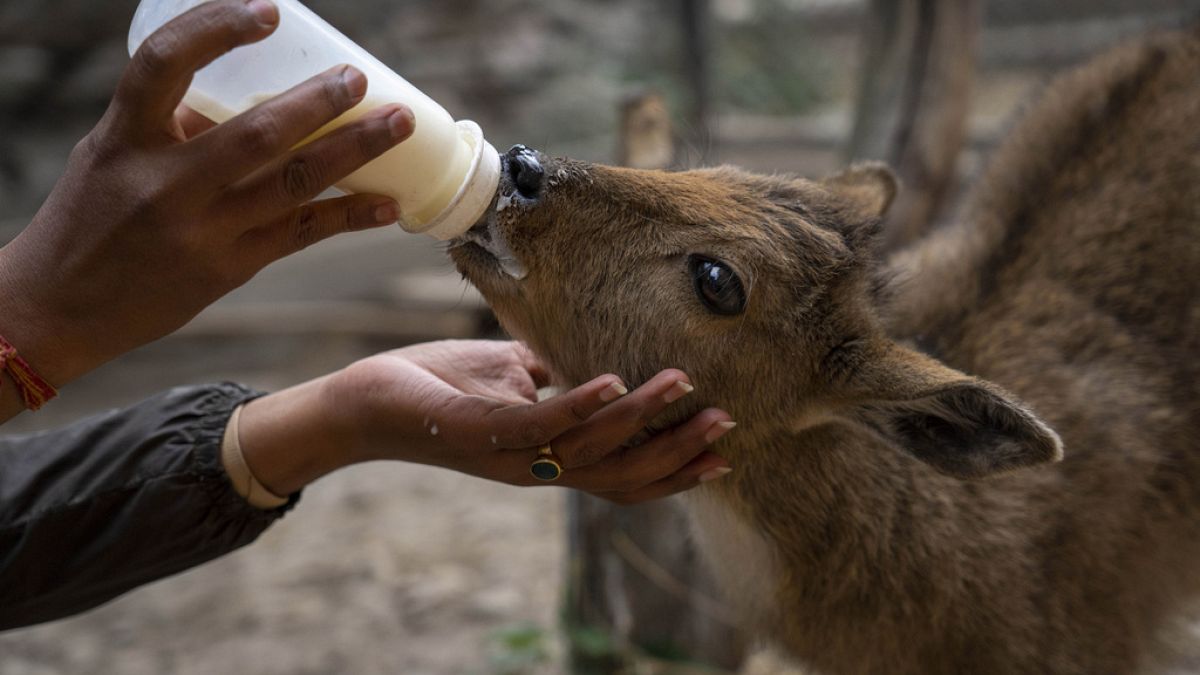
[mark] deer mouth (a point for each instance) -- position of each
(486, 244)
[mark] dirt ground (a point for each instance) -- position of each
(380, 569)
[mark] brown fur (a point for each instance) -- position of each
(872, 466)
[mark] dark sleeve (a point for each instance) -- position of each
(118, 500)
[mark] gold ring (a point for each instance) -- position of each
(546, 467)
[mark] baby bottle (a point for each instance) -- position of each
(443, 177)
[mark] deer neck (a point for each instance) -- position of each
(844, 514)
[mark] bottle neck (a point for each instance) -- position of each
(470, 186)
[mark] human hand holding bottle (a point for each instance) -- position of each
(160, 213)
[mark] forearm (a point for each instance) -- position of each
(113, 502)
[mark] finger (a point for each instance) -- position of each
(663, 455)
(607, 431)
(293, 180)
(528, 426)
(162, 68)
(705, 467)
(318, 220)
(192, 123)
(272, 128)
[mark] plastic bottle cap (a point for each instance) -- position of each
(474, 196)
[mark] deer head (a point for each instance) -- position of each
(762, 288)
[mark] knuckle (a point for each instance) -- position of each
(576, 413)
(145, 205)
(645, 413)
(261, 135)
(531, 433)
(372, 140)
(300, 179)
(587, 452)
(636, 412)
(225, 25)
(346, 218)
(143, 208)
(305, 230)
(157, 54)
(334, 94)
(95, 149)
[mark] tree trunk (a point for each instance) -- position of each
(695, 22)
(912, 108)
(636, 586)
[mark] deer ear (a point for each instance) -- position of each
(959, 425)
(867, 188)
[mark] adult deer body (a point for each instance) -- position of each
(882, 515)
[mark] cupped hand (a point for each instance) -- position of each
(160, 213)
(472, 406)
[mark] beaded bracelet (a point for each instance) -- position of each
(35, 391)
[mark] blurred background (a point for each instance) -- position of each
(400, 569)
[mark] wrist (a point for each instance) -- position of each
(11, 404)
(33, 325)
(379, 421)
(291, 438)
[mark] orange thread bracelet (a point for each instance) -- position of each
(35, 391)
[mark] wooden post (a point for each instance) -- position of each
(695, 21)
(912, 108)
(644, 140)
(635, 582)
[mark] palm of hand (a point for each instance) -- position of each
(454, 388)
(502, 372)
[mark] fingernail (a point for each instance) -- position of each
(401, 123)
(718, 430)
(264, 11)
(713, 474)
(355, 83)
(678, 391)
(613, 392)
(387, 212)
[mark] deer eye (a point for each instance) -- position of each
(717, 285)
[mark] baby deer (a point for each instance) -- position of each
(884, 514)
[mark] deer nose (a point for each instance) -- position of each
(524, 170)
